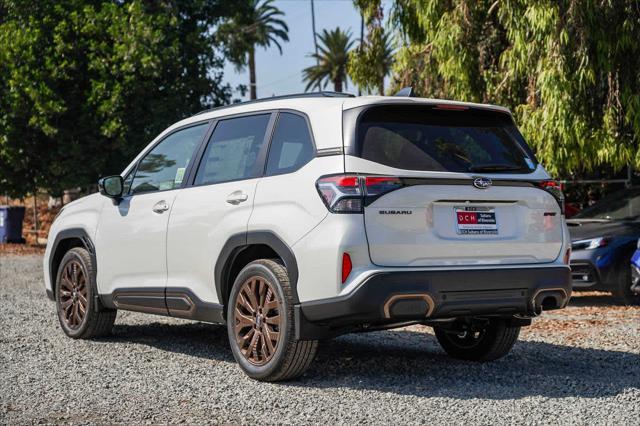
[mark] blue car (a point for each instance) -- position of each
(603, 239)
(635, 271)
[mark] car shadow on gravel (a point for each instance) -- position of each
(411, 363)
(194, 339)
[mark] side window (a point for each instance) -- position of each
(164, 166)
(232, 152)
(291, 146)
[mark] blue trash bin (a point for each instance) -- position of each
(11, 224)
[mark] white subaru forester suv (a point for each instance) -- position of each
(300, 218)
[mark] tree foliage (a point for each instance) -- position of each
(569, 69)
(86, 84)
(332, 56)
(371, 62)
(253, 23)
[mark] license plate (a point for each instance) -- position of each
(476, 220)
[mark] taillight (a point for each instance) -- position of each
(554, 188)
(341, 193)
(378, 185)
(350, 193)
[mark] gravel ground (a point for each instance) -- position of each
(578, 366)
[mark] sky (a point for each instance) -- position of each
(281, 75)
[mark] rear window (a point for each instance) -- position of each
(424, 138)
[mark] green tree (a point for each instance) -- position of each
(371, 62)
(254, 23)
(332, 57)
(86, 84)
(568, 69)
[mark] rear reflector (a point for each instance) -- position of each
(346, 266)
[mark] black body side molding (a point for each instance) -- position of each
(239, 242)
(176, 302)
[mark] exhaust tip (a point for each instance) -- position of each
(409, 306)
(551, 302)
(549, 299)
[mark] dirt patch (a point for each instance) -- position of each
(590, 317)
(20, 249)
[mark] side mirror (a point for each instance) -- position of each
(111, 186)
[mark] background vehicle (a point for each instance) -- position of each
(300, 218)
(603, 239)
(635, 271)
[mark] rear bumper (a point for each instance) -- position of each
(395, 297)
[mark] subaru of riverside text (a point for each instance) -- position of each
(299, 218)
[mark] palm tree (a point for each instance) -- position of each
(331, 60)
(256, 23)
(384, 60)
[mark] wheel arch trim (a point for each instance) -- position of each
(68, 234)
(237, 243)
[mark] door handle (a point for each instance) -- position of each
(160, 207)
(237, 197)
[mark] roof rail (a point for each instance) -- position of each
(323, 94)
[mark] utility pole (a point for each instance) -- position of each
(35, 215)
(315, 40)
(361, 42)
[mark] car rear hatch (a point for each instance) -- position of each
(451, 187)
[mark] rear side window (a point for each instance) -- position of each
(291, 146)
(424, 138)
(164, 166)
(233, 150)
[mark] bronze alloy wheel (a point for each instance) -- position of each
(257, 320)
(73, 294)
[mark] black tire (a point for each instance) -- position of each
(288, 358)
(622, 287)
(96, 321)
(494, 341)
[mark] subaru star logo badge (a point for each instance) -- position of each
(482, 182)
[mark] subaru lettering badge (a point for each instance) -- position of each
(482, 182)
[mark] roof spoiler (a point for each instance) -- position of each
(406, 92)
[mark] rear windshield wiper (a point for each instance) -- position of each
(495, 168)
